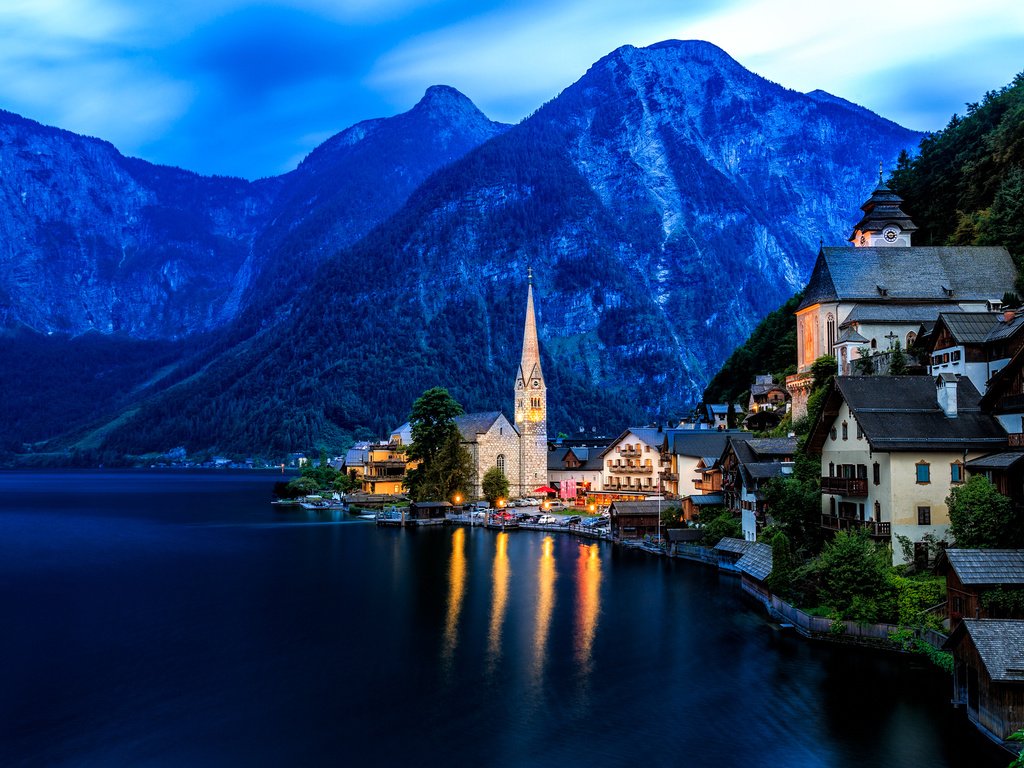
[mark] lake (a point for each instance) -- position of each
(176, 619)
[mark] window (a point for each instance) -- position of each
(874, 344)
(846, 431)
(956, 472)
(878, 512)
(876, 472)
(956, 356)
(911, 338)
(832, 506)
(924, 515)
(830, 333)
(833, 433)
(500, 462)
(831, 469)
(860, 432)
(924, 472)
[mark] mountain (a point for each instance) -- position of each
(92, 240)
(667, 201)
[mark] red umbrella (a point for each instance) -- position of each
(544, 489)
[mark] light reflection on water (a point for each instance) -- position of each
(456, 592)
(545, 607)
(500, 573)
(588, 604)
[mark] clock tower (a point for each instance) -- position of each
(531, 401)
(884, 223)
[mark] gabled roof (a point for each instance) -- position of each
(356, 457)
(901, 413)
(637, 508)
(756, 561)
(918, 274)
(692, 442)
(472, 424)
(1000, 644)
(773, 447)
(996, 461)
(707, 500)
(968, 327)
(651, 436)
(736, 546)
(987, 566)
(589, 458)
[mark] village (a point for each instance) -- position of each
(909, 392)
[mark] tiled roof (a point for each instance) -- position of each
(691, 442)
(763, 470)
(1004, 460)
(901, 413)
(850, 334)
(898, 313)
(1000, 643)
(987, 566)
(771, 447)
(637, 508)
(970, 327)
(472, 424)
(756, 561)
(355, 457)
(923, 273)
(736, 546)
(707, 499)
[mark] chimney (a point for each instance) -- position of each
(945, 392)
(1008, 316)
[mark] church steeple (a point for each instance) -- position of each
(884, 223)
(531, 401)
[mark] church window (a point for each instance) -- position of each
(500, 462)
(830, 331)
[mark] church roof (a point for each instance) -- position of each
(529, 365)
(472, 424)
(915, 314)
(922, 274)
(881, 210)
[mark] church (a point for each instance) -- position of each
(865, 299)
(519, 450)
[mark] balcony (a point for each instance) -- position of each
(625, 469)
(875, 530)
(669, 476)
(845, 486)
(1015, 439)
(629, 452)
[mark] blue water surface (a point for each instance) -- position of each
(176, 619)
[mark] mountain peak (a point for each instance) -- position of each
(445, 99)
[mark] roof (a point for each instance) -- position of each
(1000, 644)
(764, 389)
(924, 274)
(691, 442)
(707, 500)
(355, 457)
(472, 424)
(756, 561)
(987, 566)
(997, 461)
(764, 447)
(913, 314)
(637, 508)
(763, 470)
(881, 209)
(404, 433)
(718, 408)
(850, 334)
(589, 458)
(901, 413)
(969, 327)
(652, 436)
(736, 546)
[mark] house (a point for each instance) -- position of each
(988, 673)
(766, 405)
(974, 344)
(386, 469)
(576, 471)
(356, 457)
(680, 538)
(970, 573)
(717, 415)
(747, 463)
(696, 504)
(729, 552)
(687, 450)
(428, 510)
(891, 449)
(635, 519)
(881, 290)
(632, 465)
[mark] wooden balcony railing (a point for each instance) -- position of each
(874, 529)
(628, 470)
(845, 486)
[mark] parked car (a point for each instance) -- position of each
(573, 520)
(546, 519)
(554, 506)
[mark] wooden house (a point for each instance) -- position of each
(729, 552)
(755, 565)
(988, 673)
(970, 573)
(635, 519)
(428, 510)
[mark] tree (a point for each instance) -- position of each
(716, 524)
(445, 464)
(495, 485)
(897, 360)
(794, 505)
(980, 516)
(782, 564)
(852, 577)
(671, 517)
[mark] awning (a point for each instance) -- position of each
(545, 489)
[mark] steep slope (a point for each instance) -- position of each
(667, 201)
(92, 240)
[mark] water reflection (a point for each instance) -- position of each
(499, 600)
(456, 591)
(545, 605)
(588, 604)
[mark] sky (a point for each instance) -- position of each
(243, 88)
